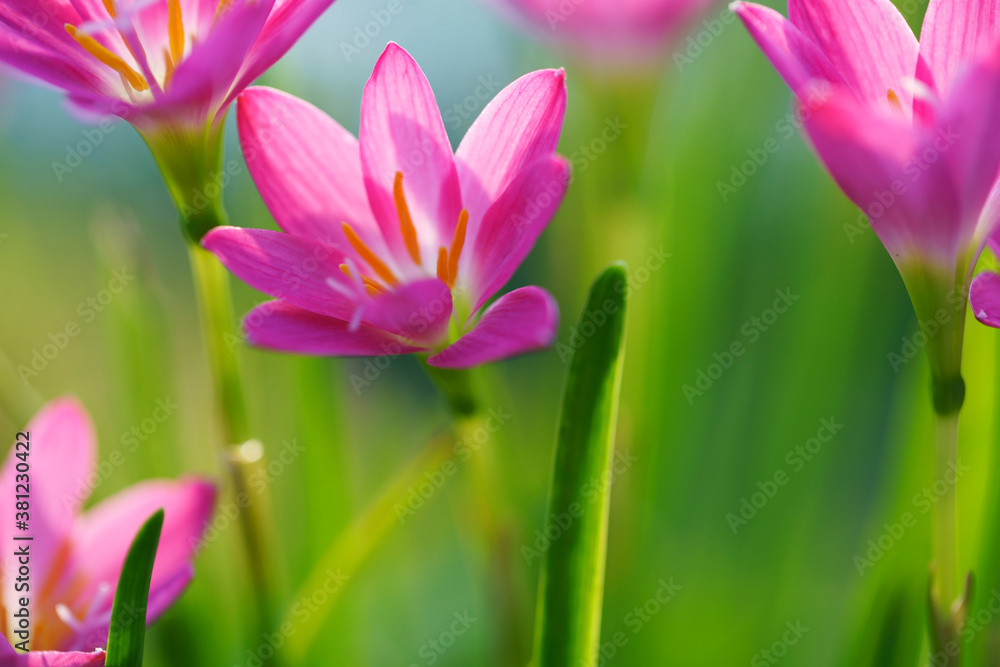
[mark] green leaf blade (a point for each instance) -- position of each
(128, 615)
(571, 588)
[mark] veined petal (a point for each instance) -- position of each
(797, 58)
(417, 311)
(402, 131)
(61, 456)
(279, 325)
(955, 33)
(284, 266)
(868, 41)
(306, 167)
(984, 296)
(33, 58)
(513, 224)
(522, 321)
(520, 125)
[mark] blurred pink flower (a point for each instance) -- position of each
(393, 243)
(75, 559)
(153, 62)
(623, 30)
(907, 129)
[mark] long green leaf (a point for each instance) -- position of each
(571, 589)
(128, 615)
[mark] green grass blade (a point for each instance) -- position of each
(128, 615)
(571, 589)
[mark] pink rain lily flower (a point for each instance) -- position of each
(75, 558)
(393, 243)
(907, 129)
(622, 30)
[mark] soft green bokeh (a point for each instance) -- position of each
(785, 229)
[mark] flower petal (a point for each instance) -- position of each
(521, 321)
(512, 225)
(984, 297)
(868, 41)
(284, 266)
(103, 535)
(797, 58)
(520, 125)
(11, 658)
(305, 165)
(955, 32)
(61, 457)
(417, 311)
(279, 325)
(402, 131)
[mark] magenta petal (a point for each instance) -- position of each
(513, 224)
(418, 311)
(984, 297)
(284, 266)
(61, 456)
(306, 166)
(11, 658)
(103, 535)
(520, 125)
(797, 59)
(32, 58)
(955, 32)
(868, 41)
(522, 321)
(281, 326)
(402, 131)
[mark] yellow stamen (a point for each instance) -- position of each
(442, 271)
(347, 271)
(378, 266)
(110, 6)
(373, 288)
(894, 101)
(456, 246)
(176, 30)
(96, 49)
(170, 68)
(405, 221)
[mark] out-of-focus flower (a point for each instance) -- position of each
(907, 130)
(622, 31)
(75, 559)
(393, 243)
(169, 67)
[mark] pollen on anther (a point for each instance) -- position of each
(442, 266)
(894, 101)
(457, 243)
(405, 220)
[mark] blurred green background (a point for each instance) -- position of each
(685, 127)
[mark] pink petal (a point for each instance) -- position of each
(521, 321)
(402, 131)
(103, 535)
(955, 33)
(284, 266)
(306, 167)
(984, 297)
(11, 658)
(281, 326)
(871, 158)
(32, 58)
(520, 125)
(798, 59)
(417, 311)
(513, 224)
(61, 457)
(868, 41)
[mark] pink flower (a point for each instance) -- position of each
(75, 559)
(907, 129)
(623, 30)
(152, 62)
(393, 243)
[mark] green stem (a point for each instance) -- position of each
(945, 533)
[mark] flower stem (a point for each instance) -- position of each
(945, 533)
